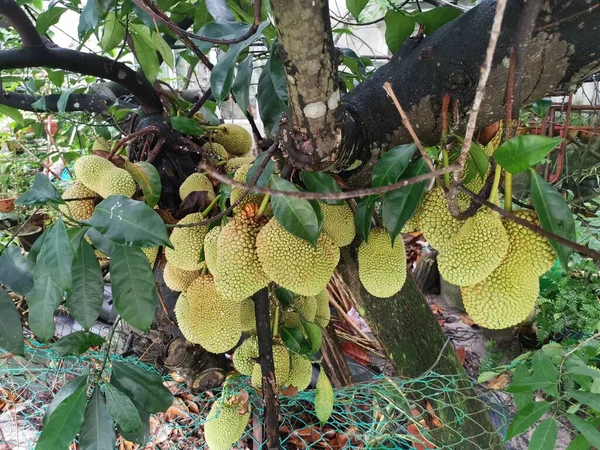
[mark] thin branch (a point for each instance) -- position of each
(201, 101)
(11, 10)
(132, 137)
(89, 103)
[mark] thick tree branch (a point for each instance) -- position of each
(90, 103)
(11, 10)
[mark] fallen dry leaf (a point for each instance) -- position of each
(433, 416)
(437, 309)
(466, 320)
(355, 352)
(498, 383)
(416, 432)
(461, 353)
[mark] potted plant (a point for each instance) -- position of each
(7, 198)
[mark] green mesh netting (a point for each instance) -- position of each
(385, 413)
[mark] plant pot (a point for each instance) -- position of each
(7, 204)
(28, 235)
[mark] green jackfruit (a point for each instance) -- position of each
(151, 253)
(225, 424)
(301, 371)
(197, 182)
(248, 316)
(305, 306)
(252, 197)
(187, 243)
(215, 151)
(206, 318)
(236, 140)
(80, 209)
(323, 314)
(210, 248)
(245, 354)
(338, 223)
(381, 266)
(239, 274)
(411, 225)
(475, 250)
(281, 360)
(435, 221)
(235, 163)
(292, 262)
(103, 177)
(178, 280)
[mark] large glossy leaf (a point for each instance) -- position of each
(314, 334)
(77, 343)
(133, 286)
(294, 340)
(521, 152)
(55, 257)
(187, 125)
(356, 6)
(42, 300)
(587, 398)
(543, 367)
(479, 160)
(48, 18)
(241, 84)
(579, 443)
(65, 391)
(270, 106)
(437, 17)
(129, 222)
(321, 182)
(100, 242)
(398, 27)
(146, 175)
(521, 399)
(277, 70)
(11, 332)
(391, 165)
(163, 48)
(526, 418)
(144, 387)
(554, 214)
(145, 51)
(87, 294)
(113, 33)
(544, 436)
(122, 409)
(16, 271)
(98, 429)
(296, 215)
(589, 431)
(529, 384)
(265, 176)
(36, 248)
(323, 398)
(41, 192)
(64, 423)
(219, 10)
(363, 215)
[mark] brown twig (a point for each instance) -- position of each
(348, 320)
(132, 137)
(156, 150)
(201, 101)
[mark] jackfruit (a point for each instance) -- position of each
(151, 253)
(475, 250)
(103, 177)
(305, 306)
(381, 266)
(411, 224)
(248, 316)
(210, 248)
(281, 361)
(235, 163)
(530, 246)
(244, 356)
(338, 223)
(101, 143)
(241, 175)
(292, 262)
(187, 243)
(435, 221)
(301, 371)
(215, 151)
(197, 182)
(80, 209)
(117, 182)
(239, 273)
(206, 318)
(225, 424)
(236, 140)
(494, 143)
(323, 314)
(178, 280)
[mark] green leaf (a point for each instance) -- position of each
(241, 84)
(13, 113)
(133, 286)
(589, 431)
(356, 6)
(41, 192)
(587, 398)
(296, 215)
(145, 51)
(129, 222)
(270, 106)
(321, 182)
(187, 125)
(77, 343)
(61, 104)
(88, 19)
(398, 27)
(122, 409)
(146, 175)
(145, 387)
(143, 435)
(11, 332)
(164, 50)
(323, 398)
(64, 423)
(543, 367)
(285, 297)
(529, 384)
(437, 17)
(265, 177)
(57, 77)
(487, 376)
(541, 107)
(87, 294)
(521, 152)
(98, 430)
(48, 18)
(102, 243)
(55, 257)
(277, 72)
(113, 33)
(16, 271)
(544, 436)
(220, 10)
(363, 215)
(526, 418)
(554, 214)
(579, 443)
(64, 392)
(43, 299)
(392, 164)
(479, 159)
(314, 334)
(295, 341)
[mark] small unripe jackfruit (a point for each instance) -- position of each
(225, 424)
(245, 355)
(210, 248)
(235, 163)
(323, 314)
(151, 253)
(281, 360)
(436, 222)
(381, 266)
(241, 175)
(103, 177)
(338, 223)
(215, 151)
(301, 306)
(80, 209)
(292, 262)
(187, 243)
(178, 280)
(236, 140)
(248, 316)
(197, 182)
(301, 371)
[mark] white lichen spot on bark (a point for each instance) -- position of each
(315, 110)
(121, 74)
(333, 101)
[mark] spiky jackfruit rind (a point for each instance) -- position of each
(338, 223)
(117, 181)
(301, 371)
(151, 253)
(301, 306)
(281, 360)
(103, 177)
(206, 318)
(224, 425)
(435, 220)
(215, 151)
(197, 182)
(245, 355)
(292, 262)
(178, 280)
(250, 198)
(235, 163)
(187, 244)
(210, 248)
(475, 250)
(80, 209)
(248, 316)
(323, 314)
(381, 266)
(236, 140)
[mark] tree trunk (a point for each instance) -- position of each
(414, 341)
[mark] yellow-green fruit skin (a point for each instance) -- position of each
(411, 225)
(151, 253)
(118, 182)
(210, 248)
(252, 197)
(197, 182)
(235, 163)
(236, 140)
(215, 151)
(381, 266)
(248, 316)
(224, 425)
(435, 221)
(80, 209)
(338, 223)
(103, 177)
(475, 250)
(281, 360)
(245, 354)
(239, 274)
(323, 314)
(301, 371)
(178, 280)
(206, 318)
(292, 262)
(187, 243)
(305, 306)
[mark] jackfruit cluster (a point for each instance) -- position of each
(79, 209)
(215, 151)
(151, 253)
(244, 357)
(197, 182)
(210, 248)
(381, 265)
(338, 223)
(225, 423)
(301, 371)
(241, 175)
(281, 361)
(236, 140)
(187, 243)
(177, 279)
(102, 176)
(301, 306)
(248, 316)
(435, 220)
(233, 164)
(323, 313)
